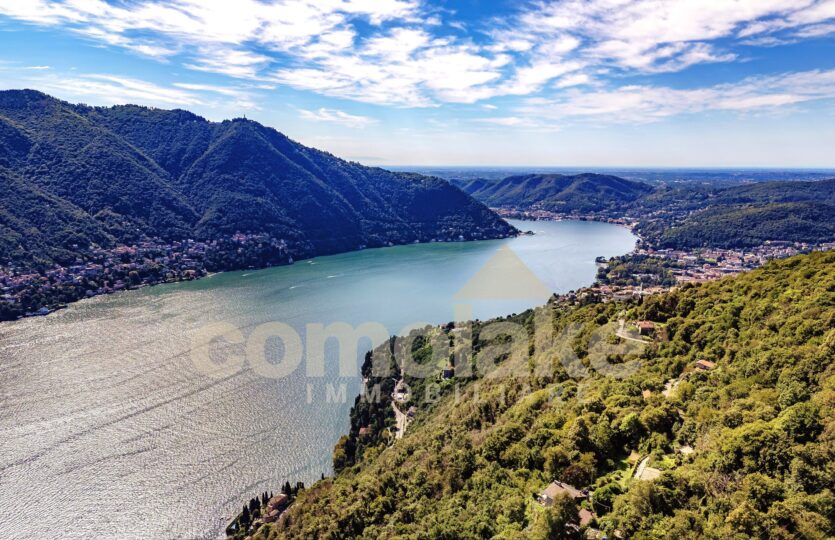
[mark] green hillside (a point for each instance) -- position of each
(37, 226)
(760, 426)
(681, 217)
(558, 193)
(141, 173)
(748, 226)
(741, 216)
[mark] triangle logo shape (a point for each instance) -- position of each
(504, 277)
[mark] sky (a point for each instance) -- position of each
(606, 83)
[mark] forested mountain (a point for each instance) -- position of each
(742, 216)
(105, 176)
(35, 222)
(747, 226)
(681, 217)
(587, 193)
(724, 429)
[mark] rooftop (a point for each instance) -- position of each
(556, 487)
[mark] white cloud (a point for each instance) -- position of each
(767, 41)
(406, 53)
(112, 90)
(573, 80)
(216, 101)
(802, 19)
(336, 117)
(508, 121)
(531, 78)
(645, 103)
(817, 30)
(154, 51)
(239, 98)
(664, 35)
(404, 67)
(236, 63)
(210, 25)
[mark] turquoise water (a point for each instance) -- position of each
(107, 426)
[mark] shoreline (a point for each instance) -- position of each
(357, 432)
(202, 273)
(686, 264)
(630, 226)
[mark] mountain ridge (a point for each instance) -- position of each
(696, 216)
(152, 173)
(586, 192)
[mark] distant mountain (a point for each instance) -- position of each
(677, 217)
(738, 217)
(750, 226)
(761, 193)
(74, 177)
(582, 193)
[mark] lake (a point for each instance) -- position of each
(109, 429)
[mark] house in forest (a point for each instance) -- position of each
(555, 488)
(705, 365)
(645, 328)
(278, 502)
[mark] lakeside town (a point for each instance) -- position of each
(24, 292)
(28, 292)
(688, 266)
(648, 270)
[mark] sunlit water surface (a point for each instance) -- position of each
(107, 429)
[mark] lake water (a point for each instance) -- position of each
(108, 429)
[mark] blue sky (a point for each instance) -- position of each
(691, 83)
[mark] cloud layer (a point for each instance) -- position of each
(568, 54)
(638, 104)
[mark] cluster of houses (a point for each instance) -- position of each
(103, 271)
(538, 214)
(686, 266)
(275, 506)
(697, 266)
(708, 264)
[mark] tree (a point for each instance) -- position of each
(630, 429)
(604, 497)
(556, 459)
(558, 521)
(762, 491)
(581, 472)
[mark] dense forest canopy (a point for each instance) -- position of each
(731, 407)
(74, 176)
(558, 192)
